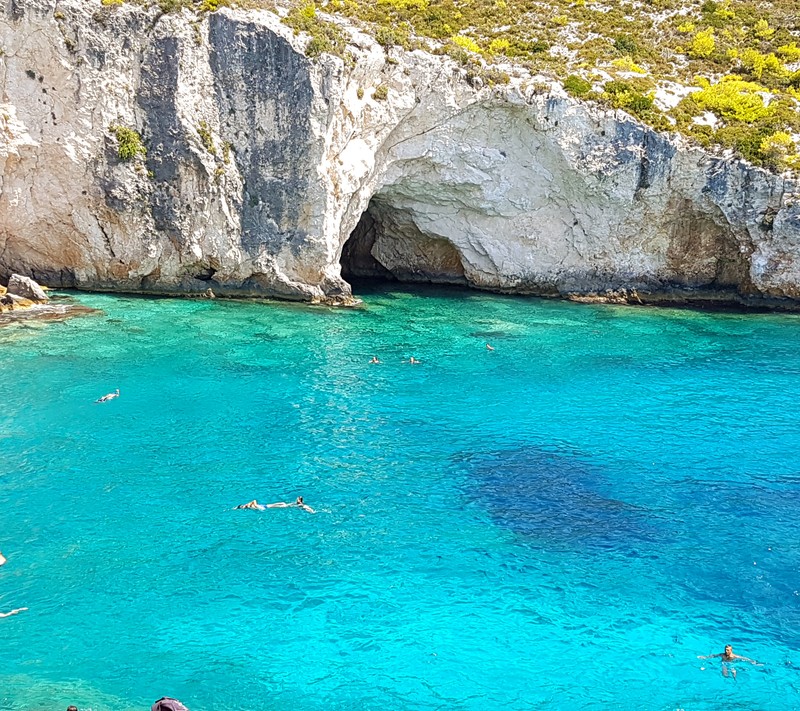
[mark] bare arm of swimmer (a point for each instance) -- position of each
(746, 659)
(13, 612)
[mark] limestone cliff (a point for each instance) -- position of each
(261, 163)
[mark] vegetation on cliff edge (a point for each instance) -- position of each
(725, 73)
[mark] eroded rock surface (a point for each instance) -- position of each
(261, 163)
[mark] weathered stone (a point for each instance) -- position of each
(261, 163)
(27, 288)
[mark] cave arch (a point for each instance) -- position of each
(388, 245)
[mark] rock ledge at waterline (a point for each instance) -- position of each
(261, 163)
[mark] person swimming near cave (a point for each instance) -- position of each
(374, 360)
(727, 657)
(297, 503)
(302, 504)
(253, 505)
(108, 397)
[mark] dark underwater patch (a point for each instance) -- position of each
(492, 334)
(555, 499)
(245, 368)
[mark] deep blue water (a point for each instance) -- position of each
(565, 522)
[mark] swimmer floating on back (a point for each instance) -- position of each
(727, 657)
(298, 503)
(108, 397)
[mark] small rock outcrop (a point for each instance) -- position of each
(171, 153)
(27, 288)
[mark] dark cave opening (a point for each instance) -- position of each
(387, 245)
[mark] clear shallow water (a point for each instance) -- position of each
(563, 523)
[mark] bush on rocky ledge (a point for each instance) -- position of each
(129, 143)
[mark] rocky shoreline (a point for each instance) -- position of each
(24, 299)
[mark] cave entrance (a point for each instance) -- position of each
(387, 245)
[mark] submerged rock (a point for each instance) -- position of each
(51, 311)
(557, 499)
(262, 163)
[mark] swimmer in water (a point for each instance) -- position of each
(253, 505)
(108, 397)
(489, 348)
(13, 612)
(412, 359)
(727, 657)
(301, 504)
(297, 503)
(374, 360)
(19, 609)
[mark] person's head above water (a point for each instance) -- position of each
(728, 649)
(299, 500)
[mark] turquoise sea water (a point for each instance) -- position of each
(563, 523)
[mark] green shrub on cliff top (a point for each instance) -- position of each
(628, 96)
(733, 99)
(168, 6)
(577, 86)
(325, 36)
(758, 130)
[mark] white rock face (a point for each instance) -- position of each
(261, 163)
(27, 288)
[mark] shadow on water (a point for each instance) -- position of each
(553, 499)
